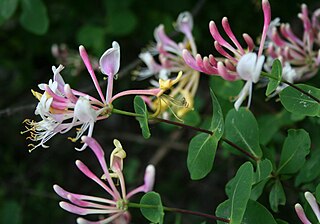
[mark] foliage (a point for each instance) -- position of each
(196, 170)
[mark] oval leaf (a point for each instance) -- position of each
(242, 127)
(295, 148)
(255, 213)
(310, 170)
(277, 196)
(141, 108)
(201, 153)
(276, 74)
(296, 102)
(11, 212)
(225, 89)
(238, 190)
(34, 16)
(264, 169)
(153, 209)
(124, 18)
(7, 8)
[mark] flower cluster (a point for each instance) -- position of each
(242, 64)
(61, 108)
(300, 57)
(115, 205)
(169, 55)
(175, 67)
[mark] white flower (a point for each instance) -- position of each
(249, 68)
(86, 115)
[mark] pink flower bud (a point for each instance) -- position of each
(149, 177)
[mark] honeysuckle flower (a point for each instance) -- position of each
(85, 114)
(236, 62)
(109, 65)
(111, 208)
(314, 206)
(61, 108)
(249, 68)
(170, 59)
(302, 54)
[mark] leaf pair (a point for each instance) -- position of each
(239, 208)
(202, 147)
(294, 98)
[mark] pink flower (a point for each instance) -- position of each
(313, 204)
(236, 62)
(61, 108)
(169, 54)
(112, 207)
(302, 55)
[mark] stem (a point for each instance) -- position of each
(187, 126)
(178, 210)
(183, 125)
(184, 211)
(239, 148)
(292, 85)
(210, 133)
(127, 113)
(302, 91)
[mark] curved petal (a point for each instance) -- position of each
(110, 60)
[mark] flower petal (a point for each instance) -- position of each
(110, 60)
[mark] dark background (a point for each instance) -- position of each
(26, 179)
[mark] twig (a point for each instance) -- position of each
(10, 111)
(154, 141)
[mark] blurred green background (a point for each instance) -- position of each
(29, 29)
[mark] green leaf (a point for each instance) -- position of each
(121, 22)
(238, 190)
(201, 153)
(276, 73)
(257, 189)
(241, 127)
(269, 124)
(277, 196)
(261, 177)
(311, 168)
(7, 8)
(225, 89)
(295, 148)
(141, 108)
(255, 213)
(202, 148)
(217, 124)
(280, 221)
(34, 17)
(11, 212)
(192, 118)
(92, 37)
(264, 169)
(155, 212)
(296, 102)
